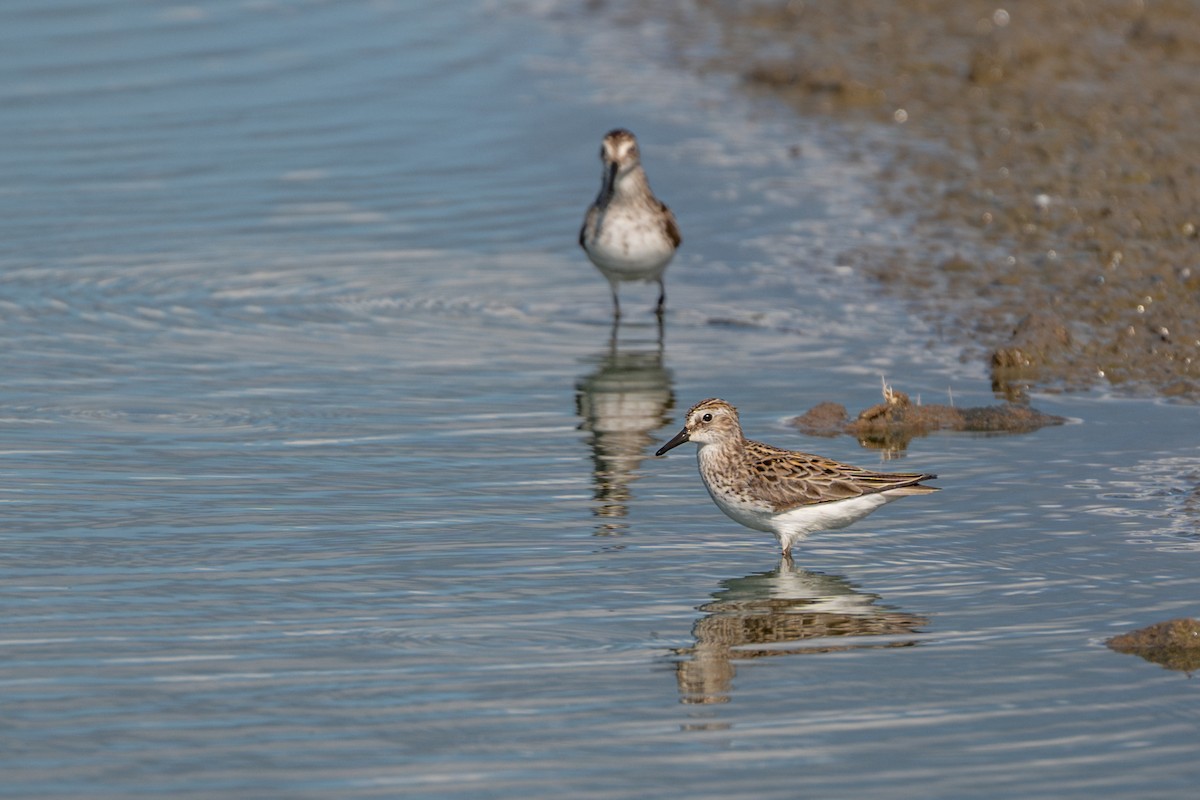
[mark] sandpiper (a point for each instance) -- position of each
(628, 233)
(784, 492)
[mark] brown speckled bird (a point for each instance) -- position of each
(628, 233)
(784, 492)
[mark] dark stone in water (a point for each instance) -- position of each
(1175, 644)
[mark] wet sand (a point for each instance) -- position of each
(1047, 154)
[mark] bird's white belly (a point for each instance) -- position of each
(798, 521)
(827, 516)
(751, 515)
(627, 248)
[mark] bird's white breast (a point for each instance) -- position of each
(630, 244)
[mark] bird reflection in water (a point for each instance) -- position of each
(782, 612)
(622, 403)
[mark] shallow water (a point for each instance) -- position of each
(325, 475)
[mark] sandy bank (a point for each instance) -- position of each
(1049, 153)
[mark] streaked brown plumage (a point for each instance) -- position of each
(785, 492)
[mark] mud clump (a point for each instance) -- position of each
(895, 422)
(824, 419)
(1174, 644)
(1047, 152)
(1036, 345)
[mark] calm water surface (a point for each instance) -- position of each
(325, 475)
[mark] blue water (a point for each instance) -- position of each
(325, 475)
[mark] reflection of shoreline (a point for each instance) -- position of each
(782, 612)
(622, 402)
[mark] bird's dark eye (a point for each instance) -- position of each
(707, 418)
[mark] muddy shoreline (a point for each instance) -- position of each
(1047, 153)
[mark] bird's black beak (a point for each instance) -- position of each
(610, 178)
(676, 440)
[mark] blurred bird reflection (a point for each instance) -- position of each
(782, 612)
(622, 403)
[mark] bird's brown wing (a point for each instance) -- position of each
(788, 479)
(672, 226)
